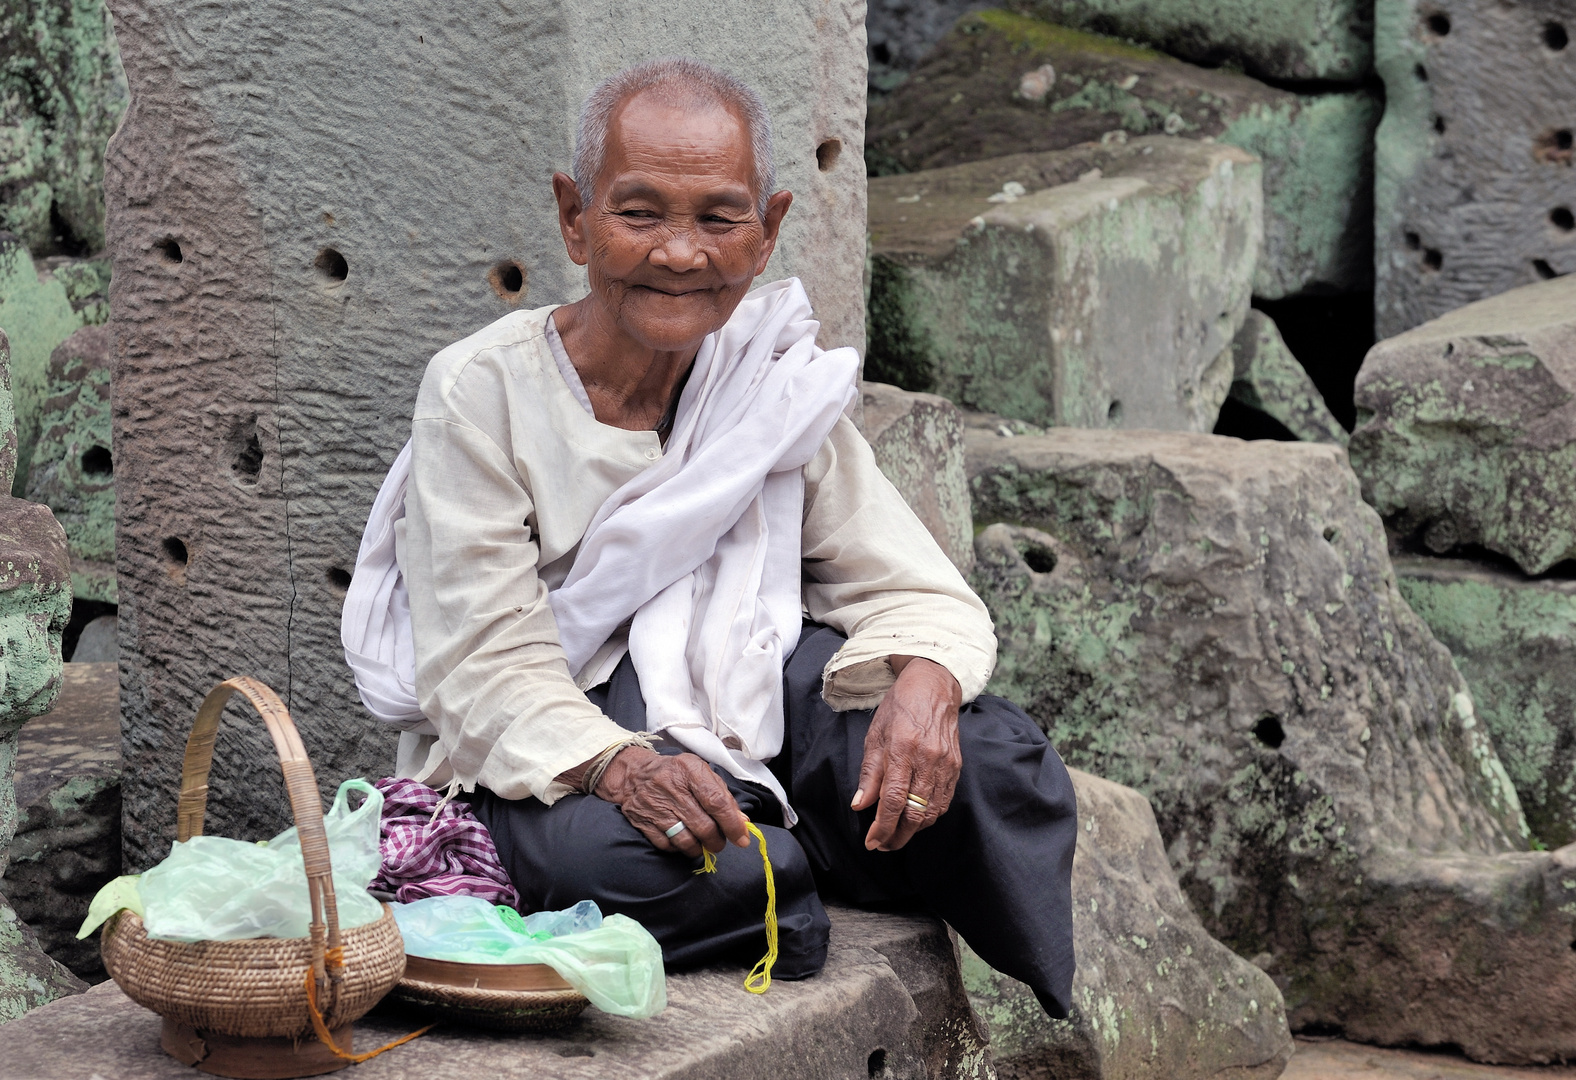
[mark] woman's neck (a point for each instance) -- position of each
(630, 385)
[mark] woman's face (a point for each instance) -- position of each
(673, 238)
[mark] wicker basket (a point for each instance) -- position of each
(258, 988)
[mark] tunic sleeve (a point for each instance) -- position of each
(874, 573)
(490, 673)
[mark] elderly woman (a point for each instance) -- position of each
(658, 589)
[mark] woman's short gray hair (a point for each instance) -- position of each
(688, 78)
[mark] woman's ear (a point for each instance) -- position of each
(776, 207)
(571, 218)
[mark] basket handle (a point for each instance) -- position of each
(305, 804)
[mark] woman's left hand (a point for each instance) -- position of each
(911, 748)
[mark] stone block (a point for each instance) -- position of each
(964, 103)
(67, 843)
(62, 92)
(1316, 40)
(889, 1004)
(99, 642)
(918, 442)
(1466, 432)
(1267, 377)
(28, 976)
(35, 604)
(73, 468)
(1154, 994)
(1217, 624)
(38, 310)
(1473, 192)
(1514, 640)
(288, 259)
(1009, 285)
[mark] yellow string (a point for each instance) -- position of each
(760, 976)
(326, 1037)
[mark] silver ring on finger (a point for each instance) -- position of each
(677, 828)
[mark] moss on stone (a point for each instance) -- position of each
(62, 93)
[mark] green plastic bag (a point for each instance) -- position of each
(617, 965)
(211, 888)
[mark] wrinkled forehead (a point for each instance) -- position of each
(679, 126)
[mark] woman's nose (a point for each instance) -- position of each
(679, 252)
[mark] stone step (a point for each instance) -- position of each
(889, 1004)
(984, 92)
(1008, 285)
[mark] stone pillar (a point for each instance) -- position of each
(304, 205)
(1472, 192)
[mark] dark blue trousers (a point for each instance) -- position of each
(997, 866)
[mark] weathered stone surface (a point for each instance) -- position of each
(28, 976)
(260, 399)
(1025, 307)
(1267, 377)
(39, 310)
(35, 603)
(1466, 429)
(99, 642)
(918, 441)
(1473, 189)
(1514, 640)
(867, 1014)
(1217, 624)
(67, 843)
(964, 104)
(1155, 995)
(62, 92)
(1323, 40)
(73, 470)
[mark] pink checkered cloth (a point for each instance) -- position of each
(452, 855)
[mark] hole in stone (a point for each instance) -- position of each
(170, 251)
(1439, 125)
(1450, 348)
(1554, 36)
(1041, 559)
(246, 451)
(1544, 270)
(1562, 218)
(1439, 24)
(1421, 72)
(1553, 146)
(332, 265)
(1268, 731)
(827, 153)
(875, 1064)
(97, 461)
(175, 550)
(1432, 259)
(576, 1051)
(1330, 533)
(508, 281)
(1113, 415)
(339, 578)
(1413, 241)
(881, 52)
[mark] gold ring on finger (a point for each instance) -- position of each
(916, 802)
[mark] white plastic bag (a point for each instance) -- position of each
(212, 888)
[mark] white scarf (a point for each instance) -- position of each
(701, 550)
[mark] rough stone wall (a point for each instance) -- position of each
(304, 205)
(1473, 189)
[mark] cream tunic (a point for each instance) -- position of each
(508, 469)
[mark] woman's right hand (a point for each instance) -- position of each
(656, 790)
